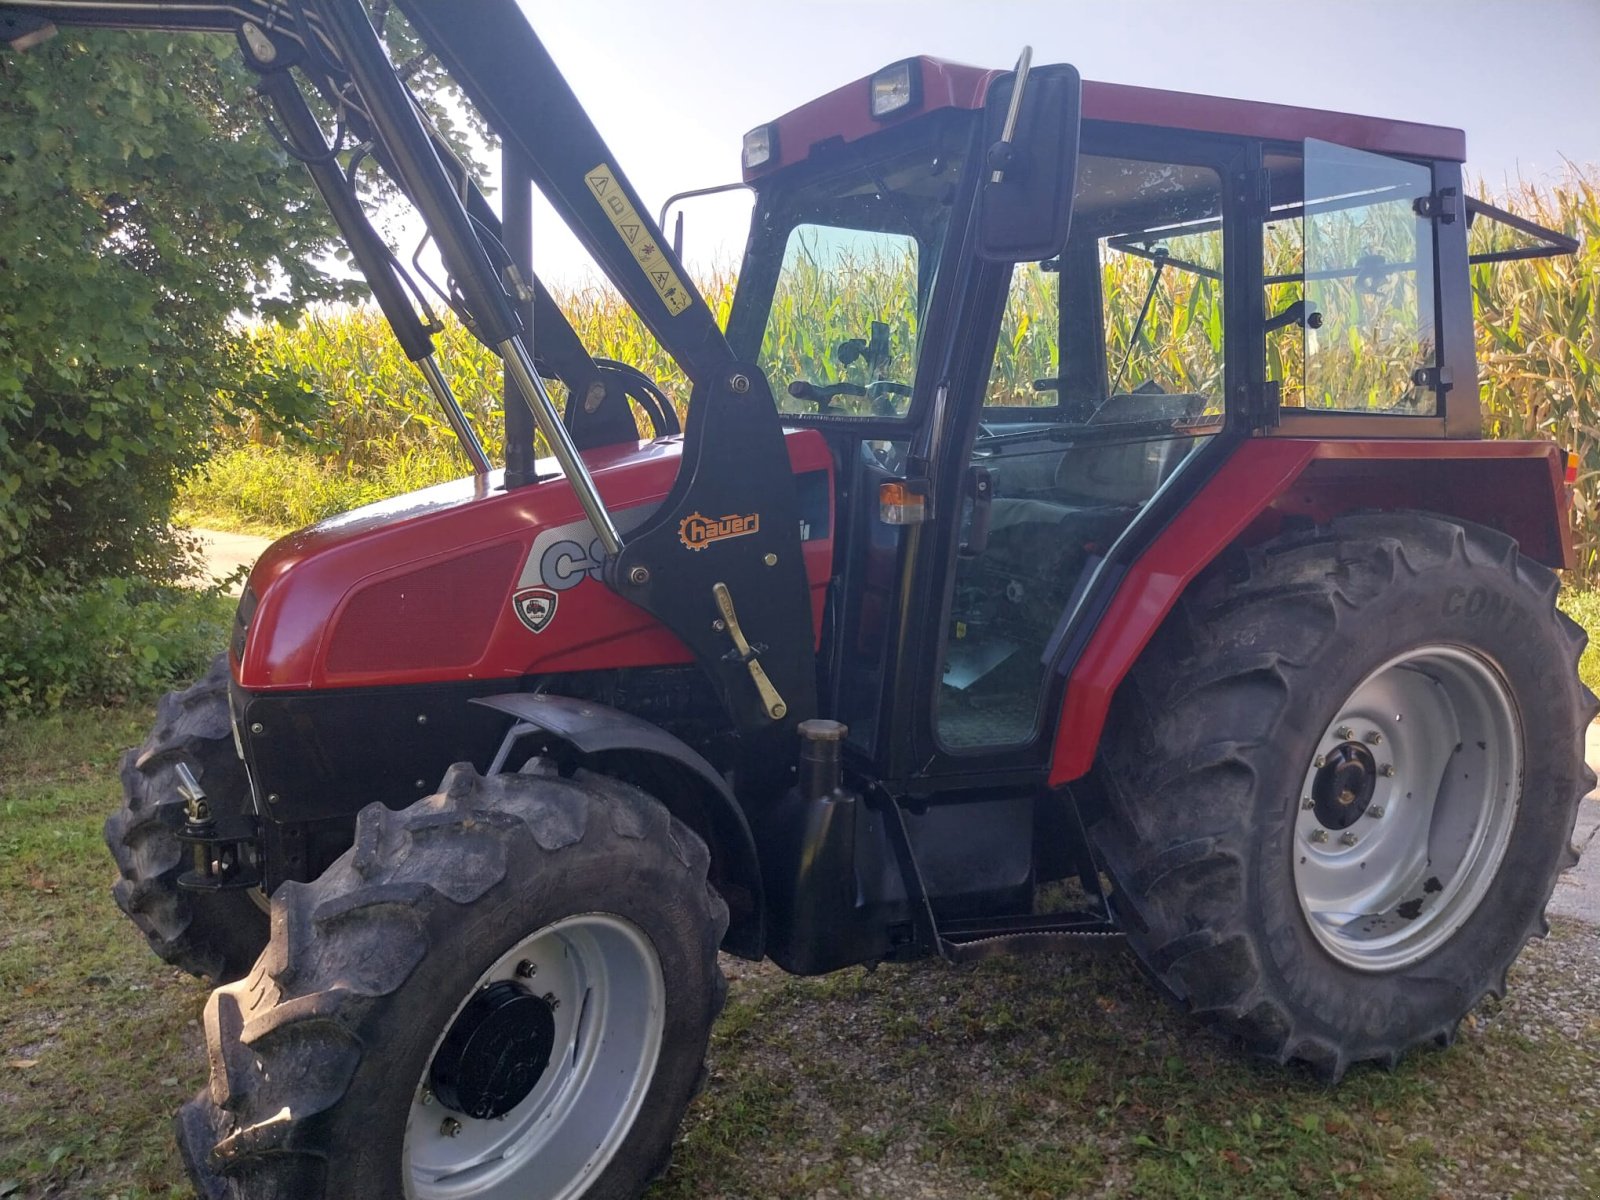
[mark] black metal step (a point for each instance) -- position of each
(969, 941)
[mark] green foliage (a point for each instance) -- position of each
(144, 206)
(273, 489)
(1539, 354)
(1539, 342)
(105, 642)
(146, 210)
(378, 431)
(1583, 606)
(817, 305)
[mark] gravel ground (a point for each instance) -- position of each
(1049, 1077)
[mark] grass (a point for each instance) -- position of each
(1021, 1078)
(98, 1039)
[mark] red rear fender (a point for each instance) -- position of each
(1516, 487)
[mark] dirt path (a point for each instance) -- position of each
(227, 552)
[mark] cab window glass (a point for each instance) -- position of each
(1350, 283)
(1132, 308)
(841, 338)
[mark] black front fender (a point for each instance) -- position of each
(616, 743)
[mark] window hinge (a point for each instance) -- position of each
(1260, 402)
(1442, 206)
(1438, 378)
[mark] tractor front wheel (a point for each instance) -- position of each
(504, 990)
(1341, 783)
(215, 934)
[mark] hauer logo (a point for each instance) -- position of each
(536, 607)
(698, 532)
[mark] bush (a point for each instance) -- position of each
(105, 643)
(144, 206)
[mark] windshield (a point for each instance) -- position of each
(841, 263)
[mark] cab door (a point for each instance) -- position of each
(1102, 402)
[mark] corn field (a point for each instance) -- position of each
(1537, 328)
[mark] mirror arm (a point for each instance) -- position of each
(1002, 153)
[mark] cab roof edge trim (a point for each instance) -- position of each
(843, 115)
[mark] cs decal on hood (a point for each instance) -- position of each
(536, 607)
(697, 532)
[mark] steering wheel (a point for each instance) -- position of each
(882, 393)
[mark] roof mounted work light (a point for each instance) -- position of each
(760, 146)
(896, 88)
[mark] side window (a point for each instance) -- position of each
(1350, 283)
(1133, 308)
(1107, 371)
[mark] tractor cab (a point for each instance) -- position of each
(1012, 432)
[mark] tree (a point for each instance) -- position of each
(144, 209)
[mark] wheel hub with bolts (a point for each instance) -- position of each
(495, 1053)
(539, 1088)
(1418, 775)
(1342, 789)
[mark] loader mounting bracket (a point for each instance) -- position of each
(720, 564)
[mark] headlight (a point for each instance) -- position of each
(896, 88)
(760, 146)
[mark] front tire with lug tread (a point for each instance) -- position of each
(568, 918)
(212, 934)
(1259, 709)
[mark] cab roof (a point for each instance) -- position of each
(844, 115)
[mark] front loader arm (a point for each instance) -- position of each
(720, 562)
(497, 59)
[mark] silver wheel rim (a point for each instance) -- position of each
(610, 1007)
(1385, 878)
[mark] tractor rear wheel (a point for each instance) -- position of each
(1341, 783)
(214, 934)
(504, 990)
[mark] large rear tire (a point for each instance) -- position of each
(212, 934)
(1341, 783)
(504, 990)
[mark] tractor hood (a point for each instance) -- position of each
(467, 581)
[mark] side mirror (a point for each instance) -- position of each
(1025, 199)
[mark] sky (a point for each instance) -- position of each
(673, 86)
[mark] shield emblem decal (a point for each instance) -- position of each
(536, 607)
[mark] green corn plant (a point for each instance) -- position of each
(376, 429)
(1539, 342)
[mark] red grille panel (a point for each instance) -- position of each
(438, 616)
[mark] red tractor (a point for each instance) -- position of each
(1087, 487)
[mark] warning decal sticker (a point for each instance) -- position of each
(602, 184)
